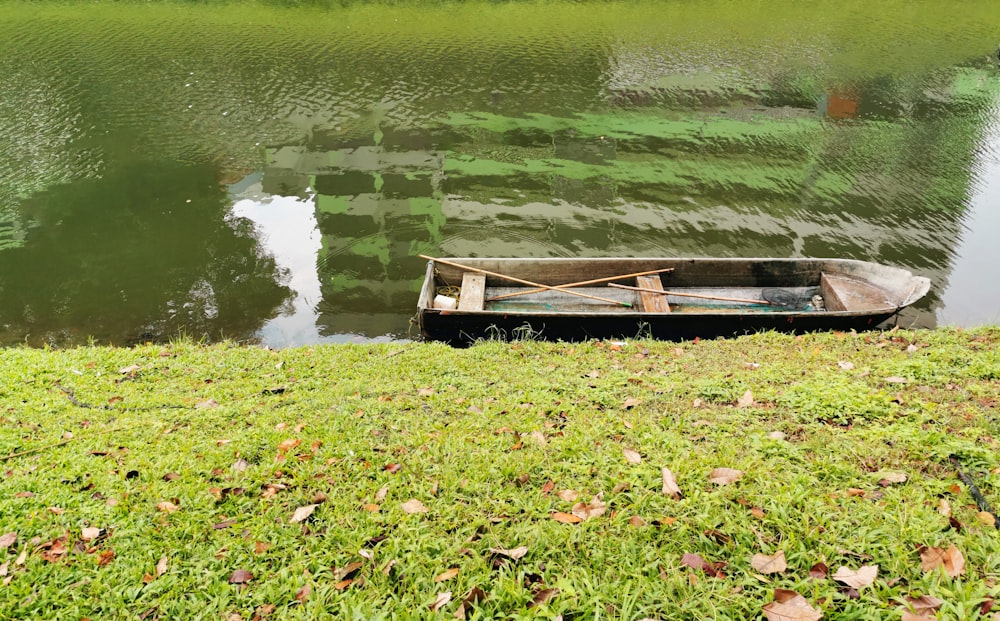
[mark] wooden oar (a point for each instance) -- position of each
(525, 282)
(690, 295)
(582, 283)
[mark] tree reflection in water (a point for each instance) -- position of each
(147, 252)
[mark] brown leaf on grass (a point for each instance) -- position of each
(132, 369)
(167, 507)
(790, 606)
(286, 445)
(381, 494)
(240, 576)
(473, 597)
(630, 403)
(7, 540)
(695, 561)
(425, 392)
(441, 600)
(746, 400)
(566, 518)
(892, 478)
(769, 564)
(302, 513)
(636, 521)
(631, 456)
(724, 476)
(922, 607)
(595, 508)
(414, 506)
(538, 438)
(949, 560)
(303, 593)
(569, 495)
(515, 553)
(986, 518)
(446, 575)
(542, 597)
(206, 404)
(819, 571)
(89, 533)
(348, 570)
(670, 487)
(548, 487)
(105, 557)
(52, 551)
(161, 566)
(862, 577)
(393, 468)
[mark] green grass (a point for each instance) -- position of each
(460, 425)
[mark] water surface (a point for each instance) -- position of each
(268, 173)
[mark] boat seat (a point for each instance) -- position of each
(841, 293)
(473, 296)
(652, 302)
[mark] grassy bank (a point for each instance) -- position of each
(195, 482)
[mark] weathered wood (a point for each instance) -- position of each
(469, 268)
(652, 302)
(841, 293)
(583, 283)
(473, 292)
(689, 295)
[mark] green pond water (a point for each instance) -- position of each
(270, 171)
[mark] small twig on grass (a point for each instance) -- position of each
(976, 494)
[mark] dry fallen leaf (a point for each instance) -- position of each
(240, 576)
(862, 577)
(569, 495)
(746, 400)
(446, 575)
(695, 561)
(631, 456)
(845, 366)
(414, 506)
(922, 607)
(630, 403)
(302, 513)
(891, 478)
(286, 445)
(161, 566)
(381, 494)
(538, 438)
(542, 597)
(944, 507)
(769, 564)
(7, 540)
(790, 606)
(566, 518)
(949, 560)
(440, 601)
(167, 507)
(819, 571)
(670, 487)
(89, 533)
(986, 518)
(303, 593)
(515, 553)
(595, 508)
(724, 476)
(105, 557)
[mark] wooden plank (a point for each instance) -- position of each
(841, 293)
(652, 302)
(473, 292)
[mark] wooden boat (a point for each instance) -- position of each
(464, 299)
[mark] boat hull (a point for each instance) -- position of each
(884, 291)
